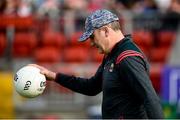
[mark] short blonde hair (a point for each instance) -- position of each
(115, 25)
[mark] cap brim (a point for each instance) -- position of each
(85, 36)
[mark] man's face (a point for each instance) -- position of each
(98, 40)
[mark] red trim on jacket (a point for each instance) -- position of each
(126, 54)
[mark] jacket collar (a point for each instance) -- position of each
(119, 45)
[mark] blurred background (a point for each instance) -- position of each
(46, 32)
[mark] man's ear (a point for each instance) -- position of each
(106, 30)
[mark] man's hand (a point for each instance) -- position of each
(48, 74)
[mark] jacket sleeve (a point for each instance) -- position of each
(91, 86)
(137, 78)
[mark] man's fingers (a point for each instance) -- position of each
(35, 65)
(49, 74)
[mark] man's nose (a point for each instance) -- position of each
(92, 43)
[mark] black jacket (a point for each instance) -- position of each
(123, 77)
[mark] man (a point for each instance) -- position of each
(123, 75)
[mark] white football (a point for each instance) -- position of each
(29, 82)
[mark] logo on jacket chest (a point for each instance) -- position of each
(110, 67)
